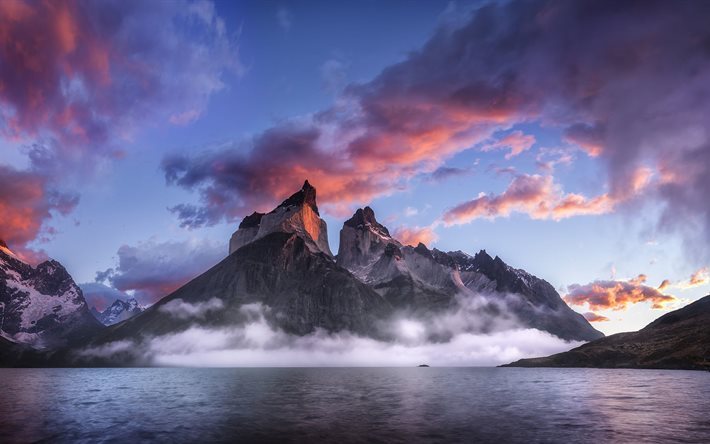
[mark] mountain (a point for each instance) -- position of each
(118, 311)
(41, 306)
(677, 340)
(281, 268)
(423, 282)
(281, 262)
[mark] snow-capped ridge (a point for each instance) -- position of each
(119, 311)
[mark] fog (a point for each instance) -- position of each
(463, 337)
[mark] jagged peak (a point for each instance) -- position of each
(482, 255)
(365, 217)
(423, 250)
(253, 220)
(3, 244)
(306, 195)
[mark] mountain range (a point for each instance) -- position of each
(281, 262)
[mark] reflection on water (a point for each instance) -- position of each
(354, 405)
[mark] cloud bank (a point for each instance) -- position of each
(257, 343)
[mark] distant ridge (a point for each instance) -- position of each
(677, 340)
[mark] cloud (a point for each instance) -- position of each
(78, 79)
(180, 309)
(284, 18)
(27, 202)
(594, 317)
(415, 235)
(463, 341)
(616, 295)
(443, 173)
(665, 284)
(698, 278)
(410, 211)
(333, 75)
(101, 296)
(151, 270)
(535, 195)
(516, 141)
(84, 73)
(589, 138)
(595, 72)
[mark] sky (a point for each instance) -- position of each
(568, 138)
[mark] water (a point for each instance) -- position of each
(354, 405)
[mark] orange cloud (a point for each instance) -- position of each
(616, 295)
(700, 277)
(665, 284)
(414, 235)
(594, 317)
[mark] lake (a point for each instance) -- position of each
(354, 405)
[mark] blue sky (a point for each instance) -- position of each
(240, 69)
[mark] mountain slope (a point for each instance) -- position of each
(423, 282)
(41, 306)
(677, 340)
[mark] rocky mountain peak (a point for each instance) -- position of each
(305, 196)
(364, 218)
(297, 214)
(3, 244)
(423, 250)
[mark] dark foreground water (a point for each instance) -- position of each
(354, 405)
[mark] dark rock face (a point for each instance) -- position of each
(253, 220)
(677, 340)
(41, 307)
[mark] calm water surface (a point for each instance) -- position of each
(354, 405)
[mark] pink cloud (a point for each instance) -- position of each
(516, 141)
(616, 295)
(414, 235)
